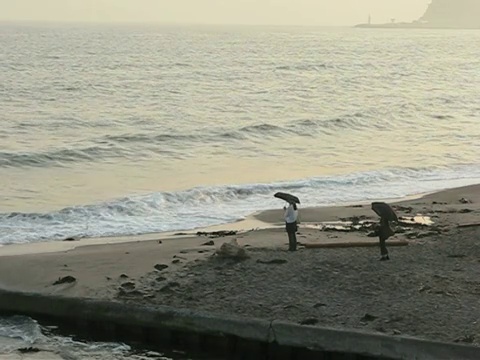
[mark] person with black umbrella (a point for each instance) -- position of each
(291, 216)
(384, 231)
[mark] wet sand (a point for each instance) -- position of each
(429, 289)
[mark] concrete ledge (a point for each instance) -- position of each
(157, 322)
(378, 345)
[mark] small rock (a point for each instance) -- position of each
(108, 278)
(465, 201)
(170, 285)
(65, 280)
(319, 305)
(368, 317)
(175, 261)
(465, 211)
(160, 241)
(232, 250)
(209, 243)
(161, 278)
(160, 267)
(124, 276)
(128, 285)
(309, 321)
(396, 332)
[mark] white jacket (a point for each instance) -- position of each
(291, 215)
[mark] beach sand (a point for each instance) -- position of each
(429, 289)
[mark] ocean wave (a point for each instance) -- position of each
(59, 157)
(205, 206)
(302, 67)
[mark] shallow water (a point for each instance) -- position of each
(20, 332)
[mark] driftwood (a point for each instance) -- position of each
(353, 244)
(468, 225)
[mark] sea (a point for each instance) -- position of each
(128, 129)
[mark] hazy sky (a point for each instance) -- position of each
(275, 12)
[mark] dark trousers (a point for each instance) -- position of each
(383, 246)
(384, 232)
(292, 236)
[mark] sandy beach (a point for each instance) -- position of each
(429, 289)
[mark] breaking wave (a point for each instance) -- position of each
(205, 206)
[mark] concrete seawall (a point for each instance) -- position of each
(167, 327)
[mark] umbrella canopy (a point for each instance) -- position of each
(292, 199)
(384, 211)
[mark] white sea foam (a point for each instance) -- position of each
(204, 206)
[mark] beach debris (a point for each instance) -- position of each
(368, 317)
(72, 238)
(467, 339)
(406, 209)
(415, 220)
(468, 225)
(128, 285)
(465, 201)
(160, 267)
(309, 321)
(209, 243)
(28, 350)
(272, 262)
(420, 235)
(217, 234)
(232, 250)
(65, 280)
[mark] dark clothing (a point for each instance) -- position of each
(291, 229)
(384, 232)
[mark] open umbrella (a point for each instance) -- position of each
(287, 197)
(384, 211)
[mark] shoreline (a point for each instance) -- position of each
(250, 222)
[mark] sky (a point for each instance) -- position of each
(248, 12)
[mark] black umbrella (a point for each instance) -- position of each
(384, 211)
(287, 197)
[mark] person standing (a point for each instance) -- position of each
(291, 215)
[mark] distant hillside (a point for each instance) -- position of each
(450, 14)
